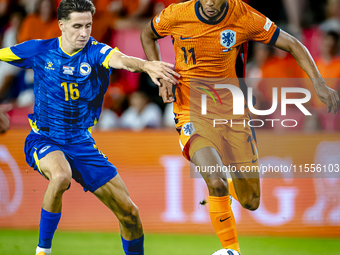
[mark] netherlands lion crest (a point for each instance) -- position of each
(228, 38)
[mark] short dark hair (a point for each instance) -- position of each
(66, 7)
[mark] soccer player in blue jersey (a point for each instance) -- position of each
(71, 75)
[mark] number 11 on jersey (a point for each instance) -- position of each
(70, 90)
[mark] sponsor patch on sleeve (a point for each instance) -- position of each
(104, 49)
(158, 19)
(268, 25)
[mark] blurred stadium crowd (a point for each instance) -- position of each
(316, 23)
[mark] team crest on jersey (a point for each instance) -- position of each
(68, 70)
(49, 65)
(228, 38)
(188, 129)
(85, 69)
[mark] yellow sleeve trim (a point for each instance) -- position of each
(7, 55)
(108, 57)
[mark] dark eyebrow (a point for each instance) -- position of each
(77, 24)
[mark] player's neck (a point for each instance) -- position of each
(67, 47)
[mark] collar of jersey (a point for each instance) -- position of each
(65, 51)
(215, 22)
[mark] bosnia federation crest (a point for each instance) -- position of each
(228, 38)
(85, 69)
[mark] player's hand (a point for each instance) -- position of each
(165, 91)
(160, 70)
(328, 96)
(4, 118)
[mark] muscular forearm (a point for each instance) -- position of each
(133, 64)
(304, 59)
(302, 56)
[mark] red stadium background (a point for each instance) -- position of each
(158, 179)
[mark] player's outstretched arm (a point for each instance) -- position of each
(155, 69)
(152, 52)
(4, 118)
(301, 54)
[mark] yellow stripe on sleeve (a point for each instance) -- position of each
(7, 55)
(108, 57)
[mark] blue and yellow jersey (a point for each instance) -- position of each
(69, 89)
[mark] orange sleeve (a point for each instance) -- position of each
(161, 23)
(258, 27)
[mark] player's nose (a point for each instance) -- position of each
(83, 33)
(210, 3)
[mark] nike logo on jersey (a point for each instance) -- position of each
(185, 38)
(225, 219)
(253, 161)
(44, 149)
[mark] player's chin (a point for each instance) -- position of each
(81, 44)
(211, 15)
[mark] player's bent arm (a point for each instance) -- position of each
(302, 56)
(149, 43)
(155, 69)
(152, 52)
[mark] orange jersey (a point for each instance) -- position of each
(210, 49)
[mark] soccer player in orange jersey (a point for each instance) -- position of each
(210, 40)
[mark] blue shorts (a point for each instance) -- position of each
(90, 167)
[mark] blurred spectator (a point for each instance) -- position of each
(42, 24)
(333, 17)
(115, 102)
(137, 8)
(103, 22)
(141, 113)
(3, 8)
(159, 5)
(9, 73)
(294, 11)
(329, 66)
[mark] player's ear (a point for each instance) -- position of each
(61, 25)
